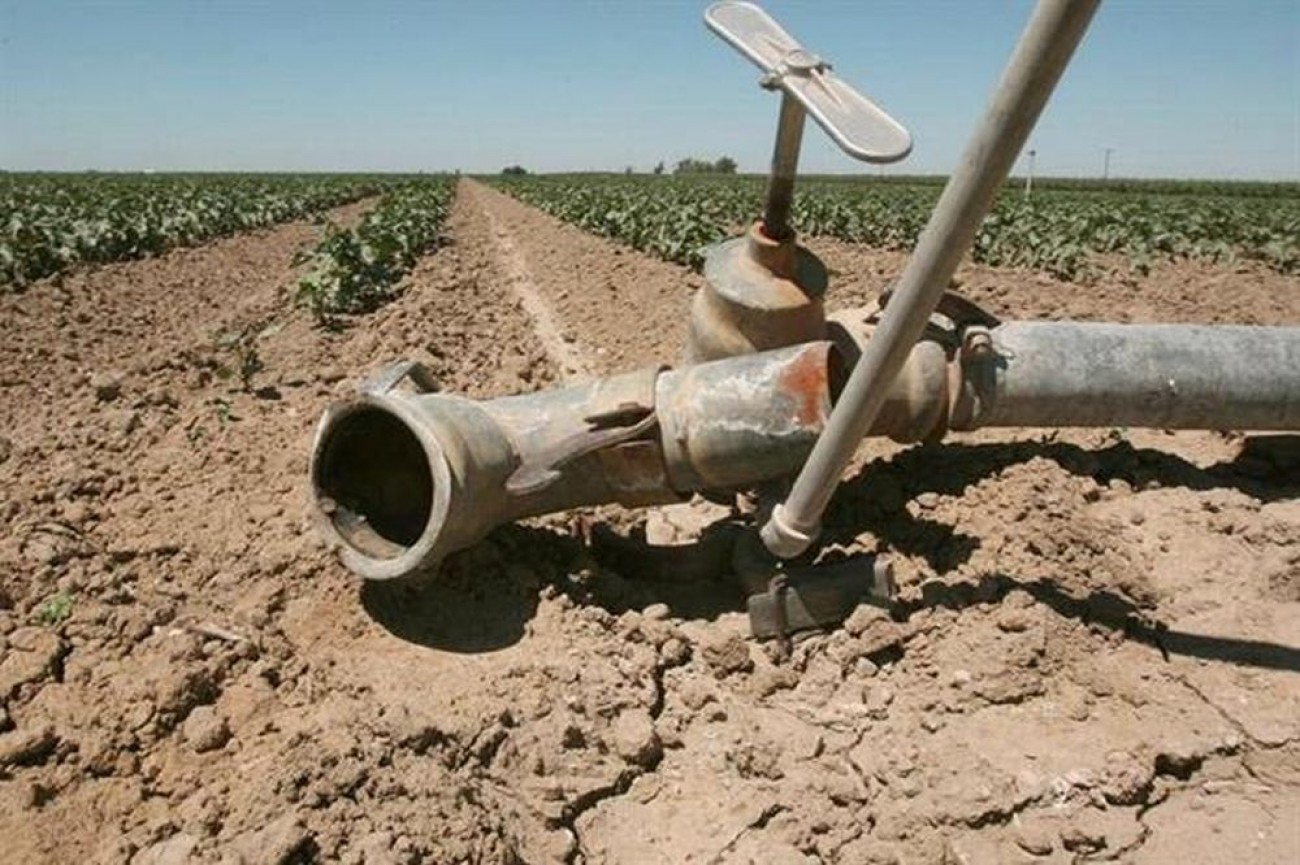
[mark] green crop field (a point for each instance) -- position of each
(1061, 229)
(49, 222)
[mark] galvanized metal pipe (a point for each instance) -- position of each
(785, 164)
(403, 478)
(1040, 57)
(1075, 374)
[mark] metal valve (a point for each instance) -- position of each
(763, 290)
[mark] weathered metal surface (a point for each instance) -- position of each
(729, 424)
(635, 472)
(785, 164)
(815, 597)
(403, 478)
(1085, 374)
(1053, 32)
(617, 410)
(392, 478)
(1078, 374)
(917, 405)
(759, 294)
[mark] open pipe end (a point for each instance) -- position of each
(377, 484)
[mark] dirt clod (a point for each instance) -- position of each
(635, 739)
(205, 730)
(187, 674)
(26, 747)
(107, 386)
(726, 654)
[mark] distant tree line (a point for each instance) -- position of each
(722, 165)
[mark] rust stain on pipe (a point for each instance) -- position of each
(806, 380)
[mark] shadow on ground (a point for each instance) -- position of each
(1267, 468)
(1111, 611)
(483, 599)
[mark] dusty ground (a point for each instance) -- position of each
(1097, 657)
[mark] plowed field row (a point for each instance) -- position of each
(1098, 657)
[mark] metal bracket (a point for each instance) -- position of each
(628, 419)
(960, 310)
(391, 376)
(796, 61)
(955, 319)
(798, 599)
(785, 599)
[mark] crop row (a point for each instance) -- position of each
(49, 222)
(1058, 231)
(353, 270)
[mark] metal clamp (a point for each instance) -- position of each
(544, 467)
(391, 376)
(797, 61)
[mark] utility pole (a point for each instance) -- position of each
(1029, 178)
(1105, 165)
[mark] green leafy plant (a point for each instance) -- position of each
(224, 411)
(54, 610)
(241, 344)
(356, 270)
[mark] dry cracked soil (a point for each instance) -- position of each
(1096, 654)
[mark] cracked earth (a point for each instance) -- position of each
(1096, 654)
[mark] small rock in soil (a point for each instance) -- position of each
(176, 850)
(863, 618)
(634, 738)
(675, 652)
(1015, 620)
(726, 654)
(772, 679)
(33, 653)
(26, 747)
(1080, 837)
(377, 849)
(1178, 761)
(284, 840)
(107, 385)
(656, 611)
(1127, 780)
(1034, 839)
(874, 630)
(205, 730)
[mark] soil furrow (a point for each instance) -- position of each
(571, 358)
(186, 674)
(626, 309)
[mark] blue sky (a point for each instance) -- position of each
(1177, 88)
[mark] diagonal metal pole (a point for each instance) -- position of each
(1044, 49)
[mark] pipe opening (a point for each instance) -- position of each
(374, 483)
